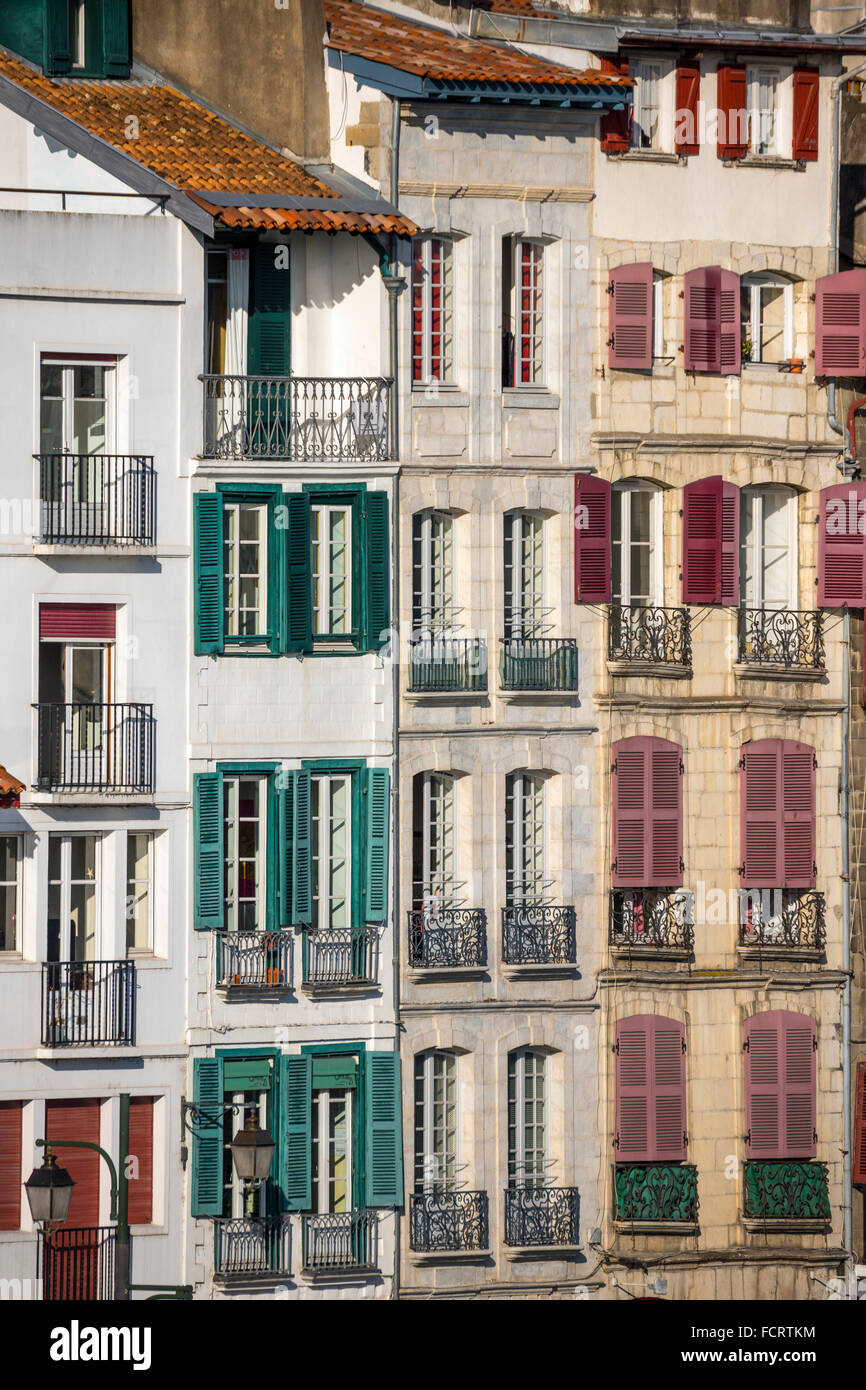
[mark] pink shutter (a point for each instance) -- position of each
(647, 813)
(669, 1090)
(591, 539)
(418, 310)
(650, 1090)
(842, 546)
(760, 813)
(730, 545)
(780, 1085)
(798, 814)
(702, 289)
(806, 88)
(631, 316)
(840, 324)
(631, 757)
(666, 814)
(711, 525)
(688, 90)
(800, 1086)
(72, 621)
(730, 339)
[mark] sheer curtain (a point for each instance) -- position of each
(238, 292)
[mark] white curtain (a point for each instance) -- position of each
(238, 300)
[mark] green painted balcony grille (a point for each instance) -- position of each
(339, 1241)
(656, 1192)
(442, 664)
(256, 1245)
(539, 663)
(786, 1188)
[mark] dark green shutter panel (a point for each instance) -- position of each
(208, 833)
(295, 861)
(268, 352)
(58, 51)
(378, 807)
(296, 1087)
(207, 1141)
(115, 38)
(384, 1135)
(207, 577)
(299, 637)
(378, 570)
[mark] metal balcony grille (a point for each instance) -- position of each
(793, 1188)
(541, 1216)
(88, 1003)
(77, 1264)
(254, 960)
(302, 419)
(539, 663)
(96, 499)
(539, 935)
(441, 937)
(448, 1221)
(781, 917)
(652, 635)
(656, 1192)
(768, 637)
(340, 1241)
(342, 957)
(652, 917)
(457, 664)
(256, 1245)
(96, 748)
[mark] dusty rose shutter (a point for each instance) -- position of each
(798, 814)
(764, 1074)
(647, 813)
(842, 546)
(760, 813)
(10, 1165)
(730, 544)
(730, 341)
(418, 310)
(591, 539)
(666, 814)
(669, 1089)
(77, 1119)
(800, 1100)
(711, 525)
(141, 1148)
(702, 323)
(859, 1175)
(840, 324)
(633, 1081)
(71, 621)
(805, 141)
(731, 101)
(688, 89)
(631, 316)
(615, 125)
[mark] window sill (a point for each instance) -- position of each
(529, 398)
(793, 1225)
(535, 697)
(331, 1277)
(780, 953)
(772, 671)
(419, 974)
(626, 953)
(638, 156)
(422, 1258)
(657, 1228)
(433, 394)
(765, 161)
(664, 670)
(130, 551)
(523, 1253)
(352, 989)
(252, 1282)
(444, 697)
(536, 970)
(333, 649)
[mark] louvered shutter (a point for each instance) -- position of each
(669, 1090)
(206, 1197)
(207, 812)
(859, 1174)
(806, 89)
(591, 539)
(77, 1119)
(376, 878)
(730, 337)
(840, 324)
(650, 1090)
(711, 526)
(384, 1155)
(378, 570)
(295, 850)
(688, 90)
(666, 814)
(141, 1149)
(296, 1098)
(207, 576)
(842, 545)
(633, 1077)
(115, 38)
(299, 608)
(615, 128)
(733, 135)
(57, 50)
(631, 316)
(269, 347)
(798, 815)
(10, 1165)
(702, 290)
(647, 813)
(780, 1085)
(777, 814)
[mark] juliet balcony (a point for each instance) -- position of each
(541, 1219)
(786, 1190)
(96, 500)
(76, 1263)
(251, 1248)
(539, 665)
(88, 1003)
(96, 748)
(448, 665)
(257, 961)
(656, 1192)
(339, 1243)
(448, 938)
(297, 419)
(341, 961)
(782, 922)
(781, 642)
(652, 921)
(442, 1223)
(650, 637)
(538, 937)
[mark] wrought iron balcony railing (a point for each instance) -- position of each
(656, 1192)
(339, 1241)
(652, 917)
(781, 917)
(76, 1263)
(96, 748)
(651, 635)
(448, 1221)
(253, 1245)
(347, 957)
(538, 935)
(260, 960)
(88, 1003)
(770, 637)
(541, 1215)
(447, 936)
(539, 663)
(457, 664)
(96, 499)
(789, 1188)
(302, 419)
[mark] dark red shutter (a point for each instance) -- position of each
(730, 337)
(77, 1119)
(805, 142)
(591, 539)
(616, 125)
(711, 525)
(777, 814)
(631, 316)
(732, 137)
(842, 546)
(72, 621)
(650, 1089)
(417, 310)
(10, 1165)
(702, 326)
(859, 1175)
(780, 1085)
(688, 90)
(141, 1148)
(840, 324)
(647, 813)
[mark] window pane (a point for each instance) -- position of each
(772, 328)
(138, 870)
(88, 410)
(8, 892)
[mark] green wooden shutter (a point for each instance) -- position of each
(208, 833)
(268, 352)
(296, 1100)
(299, 634)
(115, 38)
(207, 576)
(376, 878)
(378, 569)
(295, 861)
(384, 1166)
(207, 1141)
(57, 52)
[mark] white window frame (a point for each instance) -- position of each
(658, 292)
(757, 495)
(322, 846)
(320, 1126)
(538, 371)
(779, 147)
(521, 1172)
(65, 883)
(319, 546)
(78, 34)
(231, 819)
(526, 533)
(247, 1200)
(639, 70)
(67, 362)
(527, 794)
(755, 283)
(231, 548)
(132, 892)
(619, 493)
(15, 884)
(439, 838)
(447, 310)
(434, 572)
(436, 1162)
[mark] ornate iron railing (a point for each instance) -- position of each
(539, 663)
(456, 664)
(656, 1192)
(448, 1221)
(771, 637)
(447, 936)
(541, 935)
(254, 960)
(339, 1241)
(659, 917)
(541, 1215)
(96, 499)
(77, 1263)
(253, 1245)
(788, 1188)
(94, 748)
(302, 419)
(638, 633)
(88, 1003)
(342, 957)
(782, 917)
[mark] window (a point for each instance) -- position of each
(767, 317)
(247, 1086)
(332, 1156)
(245, 569)
(525, 883)
(432, 311)
(768, 548)
(522, 312)
(524, 576)
(435, 850)
(435, 1122)
(762, 89)
(72, 897)
(77, 9)
(647, 813)
(647, 126)
(331, 541)
(527, 1119)
(658, 315)
(76, 406)
(216, 264)
(244, 811)
(781, 1100)
(139, 891)
(650, 1090)
(331, 840)
(10, 856)
(433, 572)
(636, 544)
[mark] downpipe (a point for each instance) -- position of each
(847, 1214)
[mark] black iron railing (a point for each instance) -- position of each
(90, 747)
(770, 637)
(457, 664)
(97, 499)
(254, 960)
(340, 1241)
(539, 663)
(88, 1003)
(77, 1263)
(254, 1245)
(656, 1192)
(342, 957)
(541, 1215)
(786, 1188)
(542, 935)
(782, 917)
(304, 419)
(661, 635)
(447, 936)
(448, 1221)
(656, 917)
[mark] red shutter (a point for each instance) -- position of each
(650, 1090)
(840, 324)
(805, 142)
(141, 1148)
(631, 316)
(732, 138)
(780, 1085)
(688, 89)
(418, 310)
(77, 1119)
(702, 319)
(842, 546)
(798, 815)
(10, 1165)
(711, 526)
(730, 338)
(72, 621)
(647, 813)
(591, 539)
(859, 1175)
(777, 814)
(616, 125)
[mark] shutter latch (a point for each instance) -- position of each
(742, 763)
(814, 1136)
(815, 1044)
(682, 865)
(742, 870)
(610, 341)
(685, 1140)
(748, 1133)
(746, 1045)
(684, 1044)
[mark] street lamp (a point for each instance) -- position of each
(49, 1191)
(252, 1151)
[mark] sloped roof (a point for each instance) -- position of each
(9, 785)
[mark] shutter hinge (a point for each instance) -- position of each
(610, 287)
(613, 764)
(682, 865)
(815, 760)
(613, 866)
(610, 342)
(616, 1142)
(814, 1136)
(746, 1045)
(682, 768)
(615, 1048)
(742, 869)
(684, 1044)
(748, 1136)
(685, 1140)
(742, 763)
(814, 869)
(815, 1044)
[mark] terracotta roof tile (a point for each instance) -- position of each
(9, 785)
(307, 219)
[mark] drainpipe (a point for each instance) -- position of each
(394, 285)
(846, 938)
